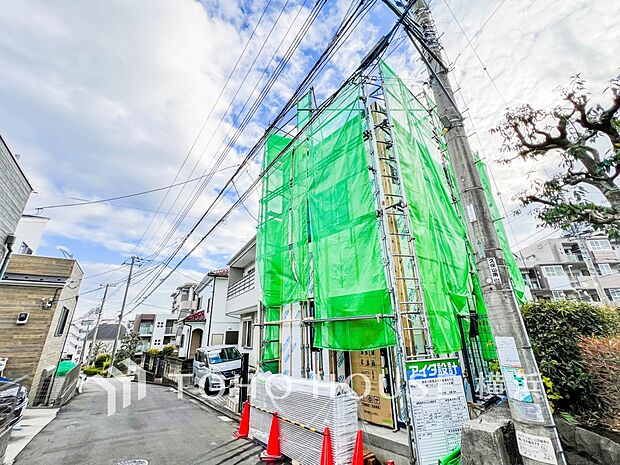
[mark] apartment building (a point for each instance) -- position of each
(38, 296)
(577, 266)
(184, 300)
(156, 330)
(242, 299)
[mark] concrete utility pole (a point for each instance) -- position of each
(122, 313)
(90, 351)
(536, 431)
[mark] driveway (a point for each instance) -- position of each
(160, 428)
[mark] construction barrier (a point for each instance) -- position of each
(304, 409)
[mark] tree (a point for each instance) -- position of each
(98, 348)
(129, 346)
(585, 139)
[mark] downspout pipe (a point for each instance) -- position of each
(8, 251)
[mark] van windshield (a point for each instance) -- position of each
(226, 354)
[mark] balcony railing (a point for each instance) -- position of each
(242, 286)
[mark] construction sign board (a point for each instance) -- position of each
(369, 372)
(439, 407)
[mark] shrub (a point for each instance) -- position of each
(101, 359)
(153, 351)
(90, 371)
(555, 329)
(167, 350)
(602, 357)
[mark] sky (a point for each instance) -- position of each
(104, 99)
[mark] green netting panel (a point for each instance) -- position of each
(518, 284)
(282, 246)
(440, 238)
(270, 356)
(349, 275)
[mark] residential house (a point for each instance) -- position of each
(209, 324)
(14, 193)
(184, 300)
(156, 330)
(38, 296)
(242, 299)
(578, 266)
(106, 334)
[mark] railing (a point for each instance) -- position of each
(170, 330)
(242, 286)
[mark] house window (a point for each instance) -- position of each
(217, 339)
(62, 321)
(232, 337)
(615, 294)
(146, 328)
(605, 269)
(246, 338)
(599, 244)
(553, 270)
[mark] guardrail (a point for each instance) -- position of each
(242, 286)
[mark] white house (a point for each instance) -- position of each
(242, 299)
(209, 325)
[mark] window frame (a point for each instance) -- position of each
(614, 293)
(247, 328)
(546, 268)
(608, 269)
(62, 322)
(600, 245)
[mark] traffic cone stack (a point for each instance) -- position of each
(327, 457)
(244, 426)
(358, 450)
(272, 453)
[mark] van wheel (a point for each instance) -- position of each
(207, 388)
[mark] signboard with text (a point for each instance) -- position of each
(439, 407)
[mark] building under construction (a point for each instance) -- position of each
(363, 256)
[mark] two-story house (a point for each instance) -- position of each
(242, 299)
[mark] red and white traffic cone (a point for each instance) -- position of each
(272, 453)
(244, 426)
(327, 456)
(358, 450)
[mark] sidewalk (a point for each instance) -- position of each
(31, 424)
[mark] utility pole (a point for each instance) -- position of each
(122, 313)
(84, 343)
(105, 294)
(530, 412)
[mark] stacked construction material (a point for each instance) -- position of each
(305, 408)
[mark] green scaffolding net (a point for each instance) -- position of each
(441, 245)
(349, 275)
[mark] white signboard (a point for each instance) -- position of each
(439, 407)
(536, 448)
(507, 352)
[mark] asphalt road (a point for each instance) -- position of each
(159, 428)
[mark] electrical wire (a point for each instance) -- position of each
(343, 31)
(125, 196)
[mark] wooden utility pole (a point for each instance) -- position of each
(536, 430)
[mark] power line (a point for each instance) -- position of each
(343, 31)
(126, 196)
(262, 94)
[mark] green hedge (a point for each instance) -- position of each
(101, 360)
(555, 329)
(90, 371)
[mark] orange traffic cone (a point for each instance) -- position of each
(327, 458)
(273, 454)
(244, 426)
(358, 450)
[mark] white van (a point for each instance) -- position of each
(215, 366)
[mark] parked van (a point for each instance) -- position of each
(215, 366)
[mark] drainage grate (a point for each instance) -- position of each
(134, 462)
